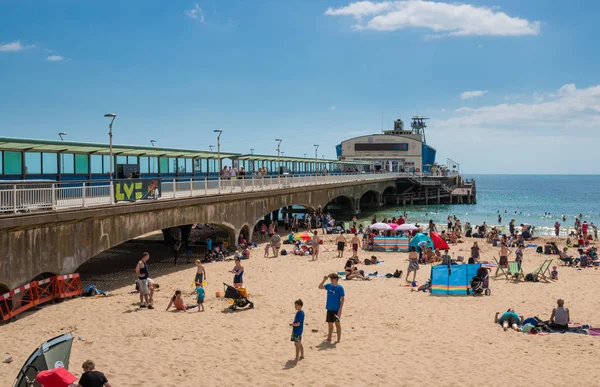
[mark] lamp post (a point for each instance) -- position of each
(251, 151)
(61, 134)
(278, 155)
(211, 147)
(220, 131)
(111, 189)
(152, 142)
(316, 159)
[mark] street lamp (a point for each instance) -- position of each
(61, 134)
(252, 151)
(278, 155)
(211, 147)
(220, 131)
(152, 142)
(316, 158)
(113, 116)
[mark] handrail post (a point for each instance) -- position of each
(83, 194)
(219, 181)
(205, 186)
(14, 198)
(191, 187)
(111, 192)
(174, 188)
(53, 196)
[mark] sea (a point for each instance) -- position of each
(537, 200)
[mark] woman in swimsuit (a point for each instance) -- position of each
(413, 265)
(178, 303)
(238, 272)
(352, 271)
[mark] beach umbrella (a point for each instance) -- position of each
(407, 227)
(380, 226)
(438, 242)
(420, 237)
(304, 236)
(393, 225)
(52, 354)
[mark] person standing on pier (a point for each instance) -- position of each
(143, 274)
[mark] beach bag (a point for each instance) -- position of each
(367, 262)
(539, 250)
(530, 278)
(397, 273)
(284, 252)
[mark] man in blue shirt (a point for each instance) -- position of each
(298, 327)
(334, 304)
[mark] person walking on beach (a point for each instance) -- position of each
(297, 328)
(334, 305)
(275, 245)
(91, 377)
(341, 244)
(143, 274)
(355, 245)
(315, 246)
(200, 272)
(413, 264)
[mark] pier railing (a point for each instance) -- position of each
(31, 196)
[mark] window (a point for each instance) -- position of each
(96, 164)
(81, 164)
(198, 164)
(33, 163)
(106, 163)
(381, 147)
(181, 165)
(153, 165)
(132, 160)
(164, 165)
(67, 163)
(143, 164)
(49, 163)
(1, 163)
(121, 160)
(172, 164)
(188, 165)
(12, 163)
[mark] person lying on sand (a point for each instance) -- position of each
(352, 272)
(178, 303)
(510, 318)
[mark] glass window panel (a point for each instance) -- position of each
(121, 160)
(132, 160)
(49, 163)
(172, 164)
(33, 163)
(181, 164)
(153, 165)
(143, 164)
(81, 164)
(106, 163)
(164, 165)
(197, 164)
(67, 163)
(203, 165)
(1, 163)
(95, 163)
(12, 163)
(188, 165)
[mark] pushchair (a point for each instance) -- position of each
(480, 284)
(238, 296)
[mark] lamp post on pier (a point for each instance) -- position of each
(220, 131)
(316, 159)
(110, 171)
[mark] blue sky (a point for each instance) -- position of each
(511, 86)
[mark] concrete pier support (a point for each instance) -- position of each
(426, 196)
(439, 198)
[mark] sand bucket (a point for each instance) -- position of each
(218, 294)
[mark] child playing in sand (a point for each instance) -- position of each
(298, 327)
(178, 303)
(200, 300)
(200, 272)
(554, 273)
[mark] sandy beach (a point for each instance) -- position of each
(391, 336)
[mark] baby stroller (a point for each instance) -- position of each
(480, 284)
(239, 297)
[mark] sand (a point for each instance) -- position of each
(391, 336)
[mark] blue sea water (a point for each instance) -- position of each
(538, 200)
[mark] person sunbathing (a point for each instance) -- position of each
(509, 319)
(352, 272)
(559, 319)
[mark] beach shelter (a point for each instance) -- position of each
(303, 236)
(52, 354)
(438, 242)
(452, 280)
(418, 238)
(380, 226)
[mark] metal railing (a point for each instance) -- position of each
(26, 197)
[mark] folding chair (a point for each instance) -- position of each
(540, 272)
(501, 269)
(515, 271)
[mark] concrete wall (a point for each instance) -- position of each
(59, 242)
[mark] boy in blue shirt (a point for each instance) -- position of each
(200, 291)
(298, 327)
(334, 304)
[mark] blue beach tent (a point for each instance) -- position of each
(452, 280)
(418, 238)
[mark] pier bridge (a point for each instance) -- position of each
(40, 237)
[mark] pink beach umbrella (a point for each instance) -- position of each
(393, 225)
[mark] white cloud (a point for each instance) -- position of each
(14, 47)
(55, 58)
(443, 18)
(195, 13)
(332, 107)
(473, 94)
